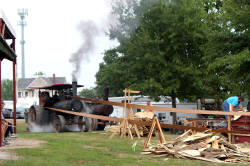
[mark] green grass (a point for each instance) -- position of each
(74, 149)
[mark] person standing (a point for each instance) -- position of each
(235, 101)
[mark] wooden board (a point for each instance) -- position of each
(144, 123)
(164, 109)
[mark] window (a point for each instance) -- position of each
(32, 93)
(26, 94)
(162, 116)
(19, 94)
(123, 101)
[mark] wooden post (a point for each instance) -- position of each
(185, 124)
(229, 126)
(14, 95)
(130, 114)
(161, 135)
(156, 123)
(125, 126)
(149, 134)
(125, 104)
(0, 99)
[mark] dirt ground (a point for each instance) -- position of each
(6, 151)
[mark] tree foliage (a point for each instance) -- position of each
(39, 74)
(162, 55)
(181, 48)
(7, 89)
(89, 93)
(227, 53)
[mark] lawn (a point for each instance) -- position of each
(91, 148)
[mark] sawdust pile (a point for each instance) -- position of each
(205, 146)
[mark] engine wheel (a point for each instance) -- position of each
(58, 123)
(94, 124)
(32, 115)
(82, 124)
(91, 124)
(101, 127)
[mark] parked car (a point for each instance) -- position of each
(7, 113)
(19, 112)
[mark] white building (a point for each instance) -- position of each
(28, 95)
(164, 117)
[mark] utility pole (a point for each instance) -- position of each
(22, 13)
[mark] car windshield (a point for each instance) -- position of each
(6, 109)
(20, 109)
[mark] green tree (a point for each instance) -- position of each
(163, 57)
(89, 93)
(111, 74)
(7, 89)
(228, 56)
(39, 74)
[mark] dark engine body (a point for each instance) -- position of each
(41, 116)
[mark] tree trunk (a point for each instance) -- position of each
(174, 106)
(174, 120)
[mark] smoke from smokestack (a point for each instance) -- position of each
(89, 31)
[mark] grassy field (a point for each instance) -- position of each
(74, 149)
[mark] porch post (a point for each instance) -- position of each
(1, 103)
(14, 94)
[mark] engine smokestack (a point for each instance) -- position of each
(54, 79)
(74, 88)
(106, 94)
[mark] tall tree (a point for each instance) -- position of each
(163, 55)
(89, 93)
(7, 89)
(228, 56)
(111, 74)
(39, 74)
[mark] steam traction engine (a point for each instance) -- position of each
(42, 117)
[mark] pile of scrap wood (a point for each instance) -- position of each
(205, 146)
(143, 130)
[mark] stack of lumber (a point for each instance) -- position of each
(144, 115)
(205, 146)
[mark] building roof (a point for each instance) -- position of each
(59, 86)
(6, 51)
(24, 83)
(9, 27)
